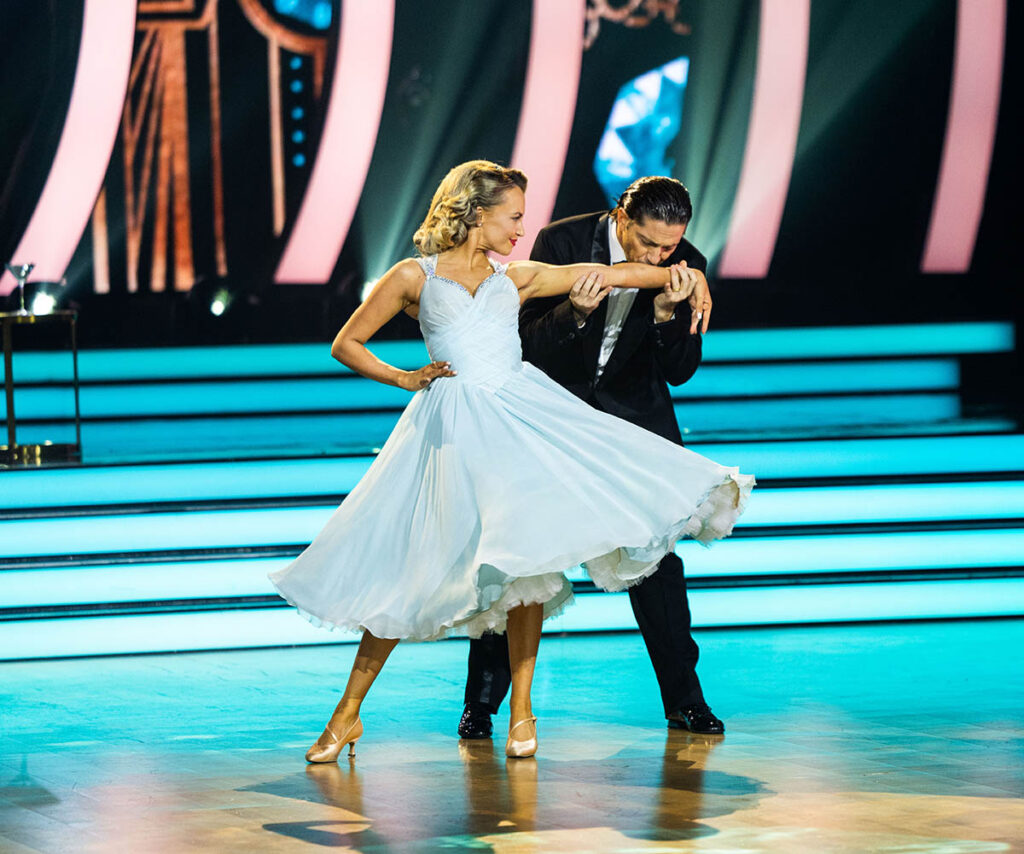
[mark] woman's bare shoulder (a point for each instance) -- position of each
(405, 278)
(407, 271)
(522, 272)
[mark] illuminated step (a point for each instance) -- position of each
(858, 341)
(359, 432)
(211, 481)
(765, 557)
(838, 505)
(820, 378)
(703, 416)
(345, 393)
(258, 527)
(753, 345)
(895, 552)
(138, 582)
(264, 435)
(267, 627)
(875, 457)
(211, 398)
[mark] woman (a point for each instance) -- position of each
(495, 480)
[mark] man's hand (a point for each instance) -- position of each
(586, 295)
(700, 304)
(682, 282)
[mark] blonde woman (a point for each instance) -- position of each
(495, 480)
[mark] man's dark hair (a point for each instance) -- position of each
(657, 197)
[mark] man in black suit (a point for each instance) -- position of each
(618, 354)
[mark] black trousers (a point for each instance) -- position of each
(662, 612)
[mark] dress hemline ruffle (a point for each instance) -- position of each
(713, 518)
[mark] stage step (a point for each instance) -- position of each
(149, 580)
(345, 392)
(66, 538)
(261, 435)
(298, 360)
(207, 468)
(240, 628)
(170, 579)
(273, 399)
(813, 461)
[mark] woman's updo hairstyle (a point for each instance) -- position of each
(468, 186)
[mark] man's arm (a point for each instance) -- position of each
(677, 350)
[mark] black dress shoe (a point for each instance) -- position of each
(475, 722)
(697, 717)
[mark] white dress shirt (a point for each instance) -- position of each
(620, 301)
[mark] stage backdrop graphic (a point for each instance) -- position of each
(242, 170)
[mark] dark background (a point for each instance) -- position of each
(851, 237)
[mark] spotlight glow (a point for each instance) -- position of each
(44, 303)
(221, 300)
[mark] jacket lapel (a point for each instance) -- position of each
(635, 325)
(599, 254)
(633, 330)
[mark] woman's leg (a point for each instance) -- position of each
(344, 723)
(523, 631)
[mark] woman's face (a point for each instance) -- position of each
(502, 225)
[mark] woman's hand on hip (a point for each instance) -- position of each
(417, 380)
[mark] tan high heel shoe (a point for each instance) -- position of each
(521, 749)
(330, 753)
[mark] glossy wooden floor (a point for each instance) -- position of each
(905, 738)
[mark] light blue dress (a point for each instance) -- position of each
(493, 484)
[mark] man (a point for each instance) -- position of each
(618, 354)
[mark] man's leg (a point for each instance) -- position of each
(662, 612)
(487, 683)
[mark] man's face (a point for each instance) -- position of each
(648, 241)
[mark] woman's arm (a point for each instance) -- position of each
(396, 290)
(534, 279)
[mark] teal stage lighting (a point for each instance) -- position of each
(303, 360)
(269, 627)
(287, 526)
(284, 478)
(817, 413)
(993, 548)
(347, 392)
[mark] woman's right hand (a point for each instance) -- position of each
(417, 380)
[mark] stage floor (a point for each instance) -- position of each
(861, 738)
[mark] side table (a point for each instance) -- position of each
(41, 452)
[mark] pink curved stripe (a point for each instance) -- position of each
(970, 136)
(350, 132)
(90, 128)
(771, 138)
(549, 105)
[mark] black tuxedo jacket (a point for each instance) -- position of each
(646, 357)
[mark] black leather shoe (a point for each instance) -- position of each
(475, 722)
(696, 718)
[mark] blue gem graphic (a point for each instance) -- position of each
(315, 13)
(645, 118)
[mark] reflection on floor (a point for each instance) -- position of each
(905, 737)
